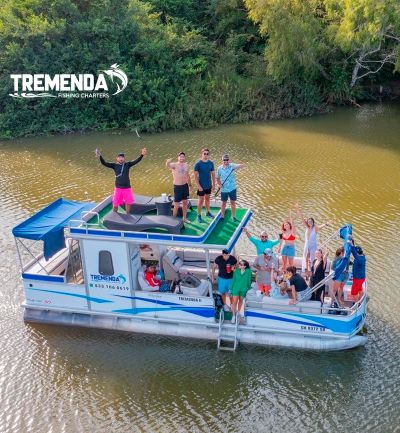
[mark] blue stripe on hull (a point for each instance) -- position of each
(284, 319)
(75, 295)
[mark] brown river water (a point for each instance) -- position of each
(343, 166)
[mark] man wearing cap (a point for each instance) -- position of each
(122, 192)
(182, 184)
(262, 243)
(225, 264)
(226, 178)
(266, 265)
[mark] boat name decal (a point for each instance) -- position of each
(185, 298)
(118, 279)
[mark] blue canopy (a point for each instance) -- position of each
(345, 233)
(48, 224)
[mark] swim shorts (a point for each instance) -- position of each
(232, 195)
(206, 191)
(122, 195)
(224, 285)
(181, 192)
(356, 287)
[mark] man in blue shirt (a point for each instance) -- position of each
(226, 178)
(262, 243)
(204, 176)
(359, 266)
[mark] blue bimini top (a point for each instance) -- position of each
(48, 224)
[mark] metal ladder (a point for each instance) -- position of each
(227, 340)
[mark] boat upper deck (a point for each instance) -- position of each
(210, 233)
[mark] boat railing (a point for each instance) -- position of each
(83, 221)
(309, 309)
(306, 294)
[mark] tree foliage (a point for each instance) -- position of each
(332, 42)
(192, 63)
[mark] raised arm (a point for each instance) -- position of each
(291, 221)
(300, 215)
(103, 161)
(248, 234)
(169, 164)
(318, 228)
(137, 160)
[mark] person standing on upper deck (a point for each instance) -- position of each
(122, 192)
(226, 178)
(204, 176)
(182, 184)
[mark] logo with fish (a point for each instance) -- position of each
(70, 85)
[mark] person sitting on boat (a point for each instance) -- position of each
(359, 266)
(226, 265)
(204, 176)
(226, 179)
(279, 290)
(241, 284)
(262, 243)
(297, 285)
(122, 192)
(182, 184)
(318, 268)
(311, 242)
(150, 277)
(340, 282)
(266, 265)
(288, 236)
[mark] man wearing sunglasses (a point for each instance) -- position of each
(262, 243)
(204, 176)
(226, 178)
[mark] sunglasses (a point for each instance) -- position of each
(264, 236)
(205, 153)
(225, 160)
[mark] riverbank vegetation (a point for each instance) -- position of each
(194, 64)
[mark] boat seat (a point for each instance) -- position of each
(143, 204)
(138, 223)
(276, 304)
(178, 262)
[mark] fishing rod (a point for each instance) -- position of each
(223, 183)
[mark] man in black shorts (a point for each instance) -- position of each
(182, 184)
(204, 176)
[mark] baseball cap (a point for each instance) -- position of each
(268, 252)
(121, 154)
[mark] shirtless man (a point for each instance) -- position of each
(122, 192)
(182, 184)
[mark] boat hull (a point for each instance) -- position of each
(203, 331)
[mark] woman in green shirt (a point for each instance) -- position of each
(240, 285)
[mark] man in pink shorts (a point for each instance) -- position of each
(122, 192)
